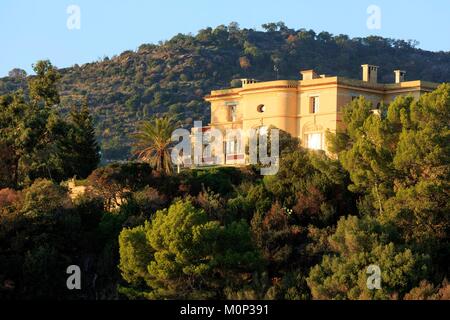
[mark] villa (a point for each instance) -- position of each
(304, 108)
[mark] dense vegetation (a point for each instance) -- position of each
(141, 231)
(36, 141)
(172, 77)
(309, 232)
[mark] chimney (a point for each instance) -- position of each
(369, 73)
(309, 75)
(245, 82)
(399, 76)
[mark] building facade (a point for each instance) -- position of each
(306, 108)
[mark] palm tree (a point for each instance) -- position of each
(153, 143)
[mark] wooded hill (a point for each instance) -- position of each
(173, 76)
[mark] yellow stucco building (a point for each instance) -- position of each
(305, 108)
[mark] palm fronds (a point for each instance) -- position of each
(153, 143)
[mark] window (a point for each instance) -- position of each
(232, 146)
(232, 114)
(314, 141)
(261, 108)
(314, 104)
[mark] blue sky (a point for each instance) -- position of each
(32, 30)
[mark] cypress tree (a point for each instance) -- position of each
(84, 152)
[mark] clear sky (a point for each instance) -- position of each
(32, 30)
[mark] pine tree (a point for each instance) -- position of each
(182, 254)
(82, 150)
(399, 162)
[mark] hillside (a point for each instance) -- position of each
(172, 77)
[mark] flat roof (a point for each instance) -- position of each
(318, 82)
